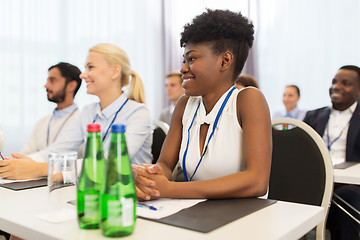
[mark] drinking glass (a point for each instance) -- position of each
(62, 179)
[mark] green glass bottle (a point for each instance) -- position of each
(91, 179)
(118, 196)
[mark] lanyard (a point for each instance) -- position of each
(211, 135)
(112, 122)
(48, 131)
(330, 143)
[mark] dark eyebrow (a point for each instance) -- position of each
(190, 52)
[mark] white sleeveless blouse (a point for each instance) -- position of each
(224, 153)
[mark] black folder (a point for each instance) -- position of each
(211, 214)
(25, 184)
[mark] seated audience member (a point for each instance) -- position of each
(290, 99)
(221, 135)
(107, 71)
(174, 91)
(62, 85)
(339, 125)
(246, 81)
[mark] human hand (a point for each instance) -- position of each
(149, 181)
(21, 167)
(144, 185)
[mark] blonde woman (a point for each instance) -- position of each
(107, 71)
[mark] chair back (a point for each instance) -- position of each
(301, 168)
(160, 130)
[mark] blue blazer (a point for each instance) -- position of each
(318, 119)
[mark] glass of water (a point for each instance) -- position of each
(62, 179)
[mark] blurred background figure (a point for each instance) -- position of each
(174, 91)
(246, 81)
(290, 99)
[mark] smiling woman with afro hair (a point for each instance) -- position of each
(220, 135)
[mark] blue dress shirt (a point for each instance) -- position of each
(296, 113)
(57, 114)
(135, 116)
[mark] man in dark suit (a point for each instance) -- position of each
(339, 125)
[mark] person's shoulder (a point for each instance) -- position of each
(135, 109)
(248, 99)
(317, 111)
(89, 110)
(250, 96)
(312, 115)
(181, 106)
(183, 100)
(249, 92)
(134, 105)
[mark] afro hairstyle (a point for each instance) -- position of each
(225, 31)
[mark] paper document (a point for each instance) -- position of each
(336, 161)
(164, 207)
(3, 180)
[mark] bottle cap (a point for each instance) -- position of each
(93, 127)
(118, 128)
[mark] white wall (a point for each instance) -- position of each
(298, 41)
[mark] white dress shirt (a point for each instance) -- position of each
(135, 116)
(336, 129)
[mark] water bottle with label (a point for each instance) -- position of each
(91, 179)
(118, 196)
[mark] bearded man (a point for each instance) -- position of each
(62, 84)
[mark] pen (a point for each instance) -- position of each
(2, 157)
(146, 205)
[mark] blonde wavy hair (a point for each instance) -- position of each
(116, 56)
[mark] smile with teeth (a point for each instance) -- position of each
(186, 80)
(335, 94)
